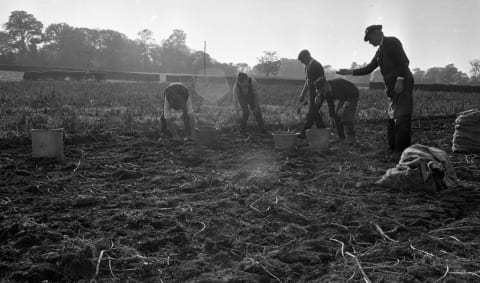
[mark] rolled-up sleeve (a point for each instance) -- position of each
(167, 111)
(188, 106)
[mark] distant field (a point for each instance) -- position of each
(10, 76)
(79, 107)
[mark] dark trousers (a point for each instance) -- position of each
(163, 125)
(246, 105)
(346, 119)
(341, 128)
(399, 133)
(313, 116)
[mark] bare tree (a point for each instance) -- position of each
(475, 70)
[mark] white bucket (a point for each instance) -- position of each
(47, 143)
(284, 140)
(318, 138)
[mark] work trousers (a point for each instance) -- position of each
(313, 116)
(247, 104)
(399, 133)
(342, 126)
(346, 119)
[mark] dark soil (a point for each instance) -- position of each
(128, 208)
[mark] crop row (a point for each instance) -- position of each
(95, 106)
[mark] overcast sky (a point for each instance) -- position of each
(434, 33)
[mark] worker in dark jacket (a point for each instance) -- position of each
(342, 115)
(315, 79)
(245, 98)
(393, 63)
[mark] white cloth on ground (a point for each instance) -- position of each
(421, 168)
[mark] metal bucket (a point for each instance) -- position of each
(205, 135)
(318, 139)
(47, 143)
(284, 140)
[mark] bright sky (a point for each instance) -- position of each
(434, 33)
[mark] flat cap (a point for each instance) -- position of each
(369, 29)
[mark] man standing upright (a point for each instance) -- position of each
(315, 77)
(393, 63)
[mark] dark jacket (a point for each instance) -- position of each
(248, 93)
(341, 90)
(314, 71)
(393, 63)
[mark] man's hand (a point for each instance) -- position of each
(236, 114)
(301, 97)
(339, 111)
(345, 72)
(399, 85)
(333, 123)
(318, 100)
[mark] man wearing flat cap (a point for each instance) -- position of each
(315, 82)
(393, 63)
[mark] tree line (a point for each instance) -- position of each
(24, 41)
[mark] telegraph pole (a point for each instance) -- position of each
(204, 58)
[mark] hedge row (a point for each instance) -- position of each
(52, 73)
(61, 75)
(229, 79)
(20, 68)
(140, 77)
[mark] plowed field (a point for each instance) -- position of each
(126, 208)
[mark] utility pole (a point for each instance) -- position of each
(204, 58)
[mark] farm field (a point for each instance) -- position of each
(124, 207)
(86, 107)
(8, 76)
